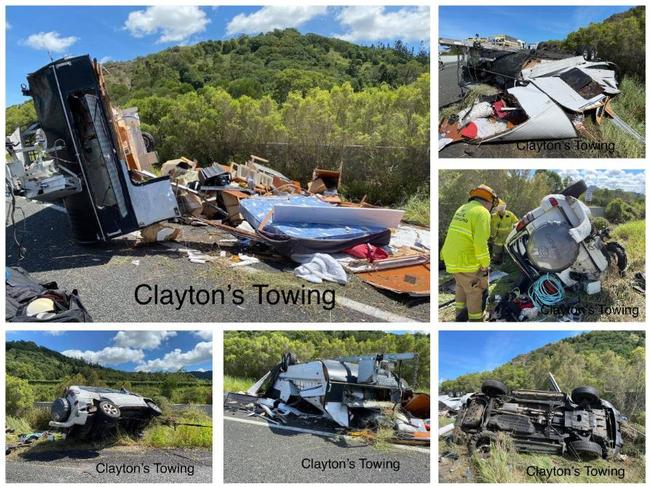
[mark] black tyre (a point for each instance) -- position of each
(108, 410)
(616, 255)
(287, 360)
(585, 395)
(585, 450)
(575, 189)
(494, 388)
(153, 408)
(149, 141)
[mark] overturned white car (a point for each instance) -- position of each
(96, 411)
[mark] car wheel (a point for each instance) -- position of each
(585, 395)
(109, 410)
(153, 408)
(616, 255)
(149, 141)
(494, 388)
(575, 189)
(586, 450)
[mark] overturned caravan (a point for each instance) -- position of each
(354, 392)
(581, 426)
(89, 166)
(557, 238)
(546, 99)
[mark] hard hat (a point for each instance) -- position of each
(485, 193)
(501, 205)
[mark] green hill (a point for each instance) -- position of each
(272, 64)
(611, 361)
(31, 362)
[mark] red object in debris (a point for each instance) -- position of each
(470, 131)
(367, 251)
(498, 109)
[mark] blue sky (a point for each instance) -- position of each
(123, 32)
(462, 352)
(625, 179)
(530, 24)
(147, 351)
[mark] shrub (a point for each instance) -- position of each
(19, 396)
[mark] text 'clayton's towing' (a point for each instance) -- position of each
(146, 294)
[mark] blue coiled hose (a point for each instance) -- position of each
(540, 294)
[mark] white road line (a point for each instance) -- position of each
(374, 312)
(317, 433)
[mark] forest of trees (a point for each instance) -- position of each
(301, 101)
(251, 354)
(42, 374)
(611, 361)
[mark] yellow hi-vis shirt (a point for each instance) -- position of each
(502, 226)
(466, 245)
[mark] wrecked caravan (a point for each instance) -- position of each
(354, 392)
(541, 98)
(104, 196)
(581, 425)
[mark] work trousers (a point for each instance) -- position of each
(470, 287)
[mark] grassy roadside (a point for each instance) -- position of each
(417, 209)
(236, 384)
(505, 465)
(156, 435)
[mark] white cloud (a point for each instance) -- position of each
(50, 41)
(55, 332)
(7, 25)
(177, 359)
(173, 23)
(105, 60)
(363, 23)
(273, 17)
(610, 178)
(107, 356)
(144, 340)
(203, 334)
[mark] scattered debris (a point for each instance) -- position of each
(543, 95)
(95, 157)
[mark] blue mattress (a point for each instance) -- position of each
(255, 210)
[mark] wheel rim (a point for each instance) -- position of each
(110, 409)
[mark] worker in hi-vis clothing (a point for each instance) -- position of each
(466, 255)
(503, 221)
